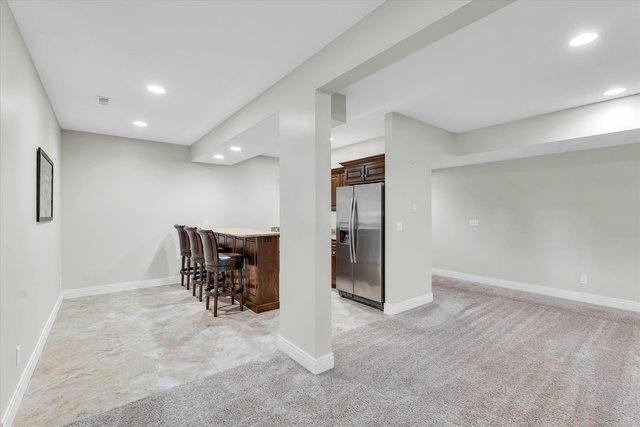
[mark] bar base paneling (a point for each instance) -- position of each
(262, 268)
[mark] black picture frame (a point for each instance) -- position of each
(44, 185)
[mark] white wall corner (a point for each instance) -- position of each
(584, 297)
(312, 364)
(408, 304)
(23, 383)
(118, 287)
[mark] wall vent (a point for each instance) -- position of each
(103, 100)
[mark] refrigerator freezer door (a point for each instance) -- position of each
(344, 266)
(368, 239)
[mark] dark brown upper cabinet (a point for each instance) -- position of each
(354, 174)
(368, 169)
(374, 170)
(360, 171)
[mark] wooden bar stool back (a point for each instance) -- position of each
(220, 267)
(185, 254)
(197, 256)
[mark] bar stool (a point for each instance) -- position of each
(197, 256)
(185, 254)
(218, 264)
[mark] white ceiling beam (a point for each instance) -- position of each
(462, 17)
(598, 125)
(392, 31)
(588, 120)
(338, 109)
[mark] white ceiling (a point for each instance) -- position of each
(212, 57)
(513, 64)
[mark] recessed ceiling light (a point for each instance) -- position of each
(218, 156)
(615, 91)
(140, 124)
(583, 39)
(156, 89)
(235, 148)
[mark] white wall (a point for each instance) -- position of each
(122, 197)
(544, 220)
(30, 251)
(366, 148)
(411, 146)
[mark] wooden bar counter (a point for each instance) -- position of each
(262, 260)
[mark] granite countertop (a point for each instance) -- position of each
(247, 232)
(244, 232)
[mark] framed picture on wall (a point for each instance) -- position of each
(44, 184)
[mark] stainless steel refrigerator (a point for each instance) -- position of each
(360, 243)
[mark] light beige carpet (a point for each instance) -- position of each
(477, 355)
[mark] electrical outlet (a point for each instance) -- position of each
(584, 280)
(398, 226)
(18, 356)
(414, 208)
(474, 222)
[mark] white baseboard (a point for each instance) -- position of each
(312, 364)
(23, 383)
(118, 287)
(408, 304)
(618, 303)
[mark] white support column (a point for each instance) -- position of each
(305, 276)
(410, 147)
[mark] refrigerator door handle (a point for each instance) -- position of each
(351, 232)
(354, 232)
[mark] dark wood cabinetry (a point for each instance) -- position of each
(374, 170)
(354, 174)
(333, 263)
(262, 255)
(337, 178)
(360, 171)
(368, 169)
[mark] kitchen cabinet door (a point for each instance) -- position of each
(374, 171)
(354, 175)
(367, 169)
(336, 181)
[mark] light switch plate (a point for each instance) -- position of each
(584, 280)
(398, 226)
(474, 222)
